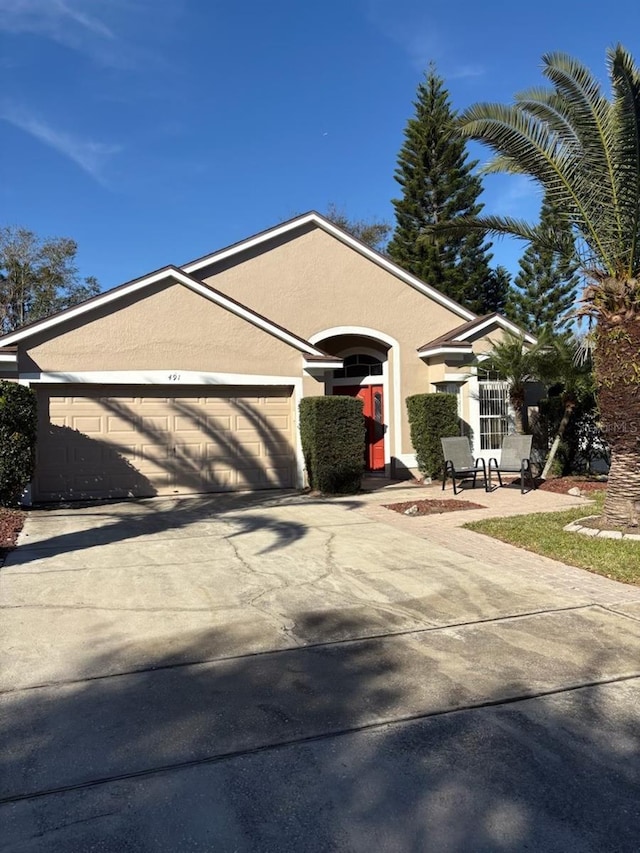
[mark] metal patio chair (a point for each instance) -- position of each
(460, 464)
(515, 458)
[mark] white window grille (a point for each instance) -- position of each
(494, 414)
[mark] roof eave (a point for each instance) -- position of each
(446, 350)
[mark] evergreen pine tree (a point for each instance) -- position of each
(545, 286)
(438, 185)
(494, 294)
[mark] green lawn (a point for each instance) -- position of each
(542, 533)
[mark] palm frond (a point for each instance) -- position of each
(547, 106)
(625, 77)
(579, 97)
(516, 136)
(495, 225)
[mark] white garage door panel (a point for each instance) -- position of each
(104, 444)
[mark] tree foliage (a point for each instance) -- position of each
(570, 379)
(545, 287)
(18, 427)
(583, 149)
(516, 362)
(494, 295)
(38, 277)
(438, 184)
(373, 232)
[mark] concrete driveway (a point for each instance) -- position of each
(258, 673)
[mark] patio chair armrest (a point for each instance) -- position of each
(495, 463)
(480, 462)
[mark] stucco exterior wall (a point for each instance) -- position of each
(485, 342)
(314, 282)
(170, 328)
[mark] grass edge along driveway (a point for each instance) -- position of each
(542, 533)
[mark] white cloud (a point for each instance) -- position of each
(513, 195)
(91, 157)
(64, 21)
(414, 30)
(108, 31)
(462, 72)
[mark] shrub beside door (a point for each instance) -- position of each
(332, 430)
(432, 417)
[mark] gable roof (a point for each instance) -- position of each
(457, 338)
(166, 274)
(319, 221)
(184, 275)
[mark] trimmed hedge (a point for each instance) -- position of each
(18, 429)
(333, 443)
(432, 417)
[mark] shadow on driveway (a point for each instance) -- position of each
(293, 750)
(128, 520)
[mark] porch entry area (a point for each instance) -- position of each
(364, 374)
(372, 397)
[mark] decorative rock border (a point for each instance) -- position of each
(577, 527)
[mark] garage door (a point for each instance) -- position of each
(154, 441)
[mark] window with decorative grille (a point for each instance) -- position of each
(357, 366)
(494, 414)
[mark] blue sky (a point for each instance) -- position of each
(155, 131)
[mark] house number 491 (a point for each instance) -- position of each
(174, 377)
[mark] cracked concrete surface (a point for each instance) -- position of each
(279, 672)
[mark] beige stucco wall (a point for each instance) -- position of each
(170, 328)
(315, 282)
(488, 339)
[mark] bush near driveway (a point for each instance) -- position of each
(18, 428)
(332, 430)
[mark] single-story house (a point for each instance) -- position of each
(189, 378)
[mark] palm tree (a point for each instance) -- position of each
(559, 364)
(583, 149)
(516, 363)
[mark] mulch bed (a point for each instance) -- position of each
(11, 521)
(433, 507)
(561, 485)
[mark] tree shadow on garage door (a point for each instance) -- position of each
(80, 468)
(217, 460)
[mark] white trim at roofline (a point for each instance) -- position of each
(427, 353)
(156, 377)
(501, 321)
(317, 367)
(315, 219)
(363, 331)
(8, 357)
(154, 278)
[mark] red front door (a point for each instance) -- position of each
(373, 410)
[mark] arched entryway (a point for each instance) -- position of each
(364, 375)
